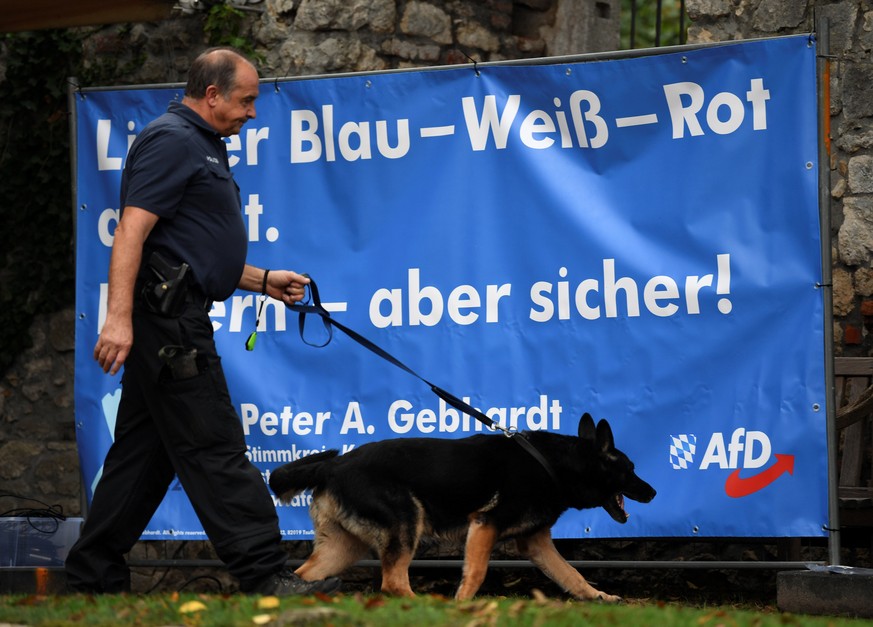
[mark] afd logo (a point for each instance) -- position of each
(743, 451)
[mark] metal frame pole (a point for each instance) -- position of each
(824, 114)
(73, 88)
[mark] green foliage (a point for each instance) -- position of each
(225, 27)
(37, 269)
(112, 67)
(645, 33)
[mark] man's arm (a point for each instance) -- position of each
(282, 285)
(116, 337)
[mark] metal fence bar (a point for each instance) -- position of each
(683, 36)
(664, 23)
(579, 564)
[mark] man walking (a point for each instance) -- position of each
(181, 244)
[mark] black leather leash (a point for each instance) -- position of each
(312, 305)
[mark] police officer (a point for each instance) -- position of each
(180, 244)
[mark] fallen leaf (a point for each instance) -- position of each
(474, 606)
(191, 607)
(268, 603)
(262, 619)
(376, 601)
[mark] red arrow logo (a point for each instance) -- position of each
(737, 487)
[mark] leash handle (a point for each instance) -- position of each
(312, 305)
(316, 308)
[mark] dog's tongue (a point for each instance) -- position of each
(615, 507)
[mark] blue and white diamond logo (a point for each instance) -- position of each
(682, 450)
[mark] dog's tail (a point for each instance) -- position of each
(307, 472)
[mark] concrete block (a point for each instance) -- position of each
(826, 591)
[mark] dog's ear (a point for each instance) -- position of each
(604, 436)
(586, 428)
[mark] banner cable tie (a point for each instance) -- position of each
(475, 63)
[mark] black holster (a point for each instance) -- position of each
(165, 286)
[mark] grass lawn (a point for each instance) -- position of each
(373, 609)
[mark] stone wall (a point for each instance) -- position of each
(37, 431)
(851, 134)
(313, 37)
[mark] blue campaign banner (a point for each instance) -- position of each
(637, 238)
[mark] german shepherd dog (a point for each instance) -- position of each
(387, 495)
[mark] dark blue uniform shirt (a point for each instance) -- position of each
(177, 168)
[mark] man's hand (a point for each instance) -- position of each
(287, 286)
(113, 345)
(116, 336)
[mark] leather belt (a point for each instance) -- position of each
(198, 299)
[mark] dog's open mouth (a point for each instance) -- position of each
(615, 507)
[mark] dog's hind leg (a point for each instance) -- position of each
(336, 547)
(540, 549)
(481, 537)
(335, 550)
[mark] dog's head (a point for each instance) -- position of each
(615, 473)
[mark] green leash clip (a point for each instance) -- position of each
(250, 342)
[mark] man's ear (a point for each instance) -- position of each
(212, 94)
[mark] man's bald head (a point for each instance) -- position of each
(216, 66)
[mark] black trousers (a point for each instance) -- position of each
(186, 427)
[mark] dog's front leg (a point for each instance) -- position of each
(540, 549)
(481, 536)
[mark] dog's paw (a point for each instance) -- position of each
(602, 597)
